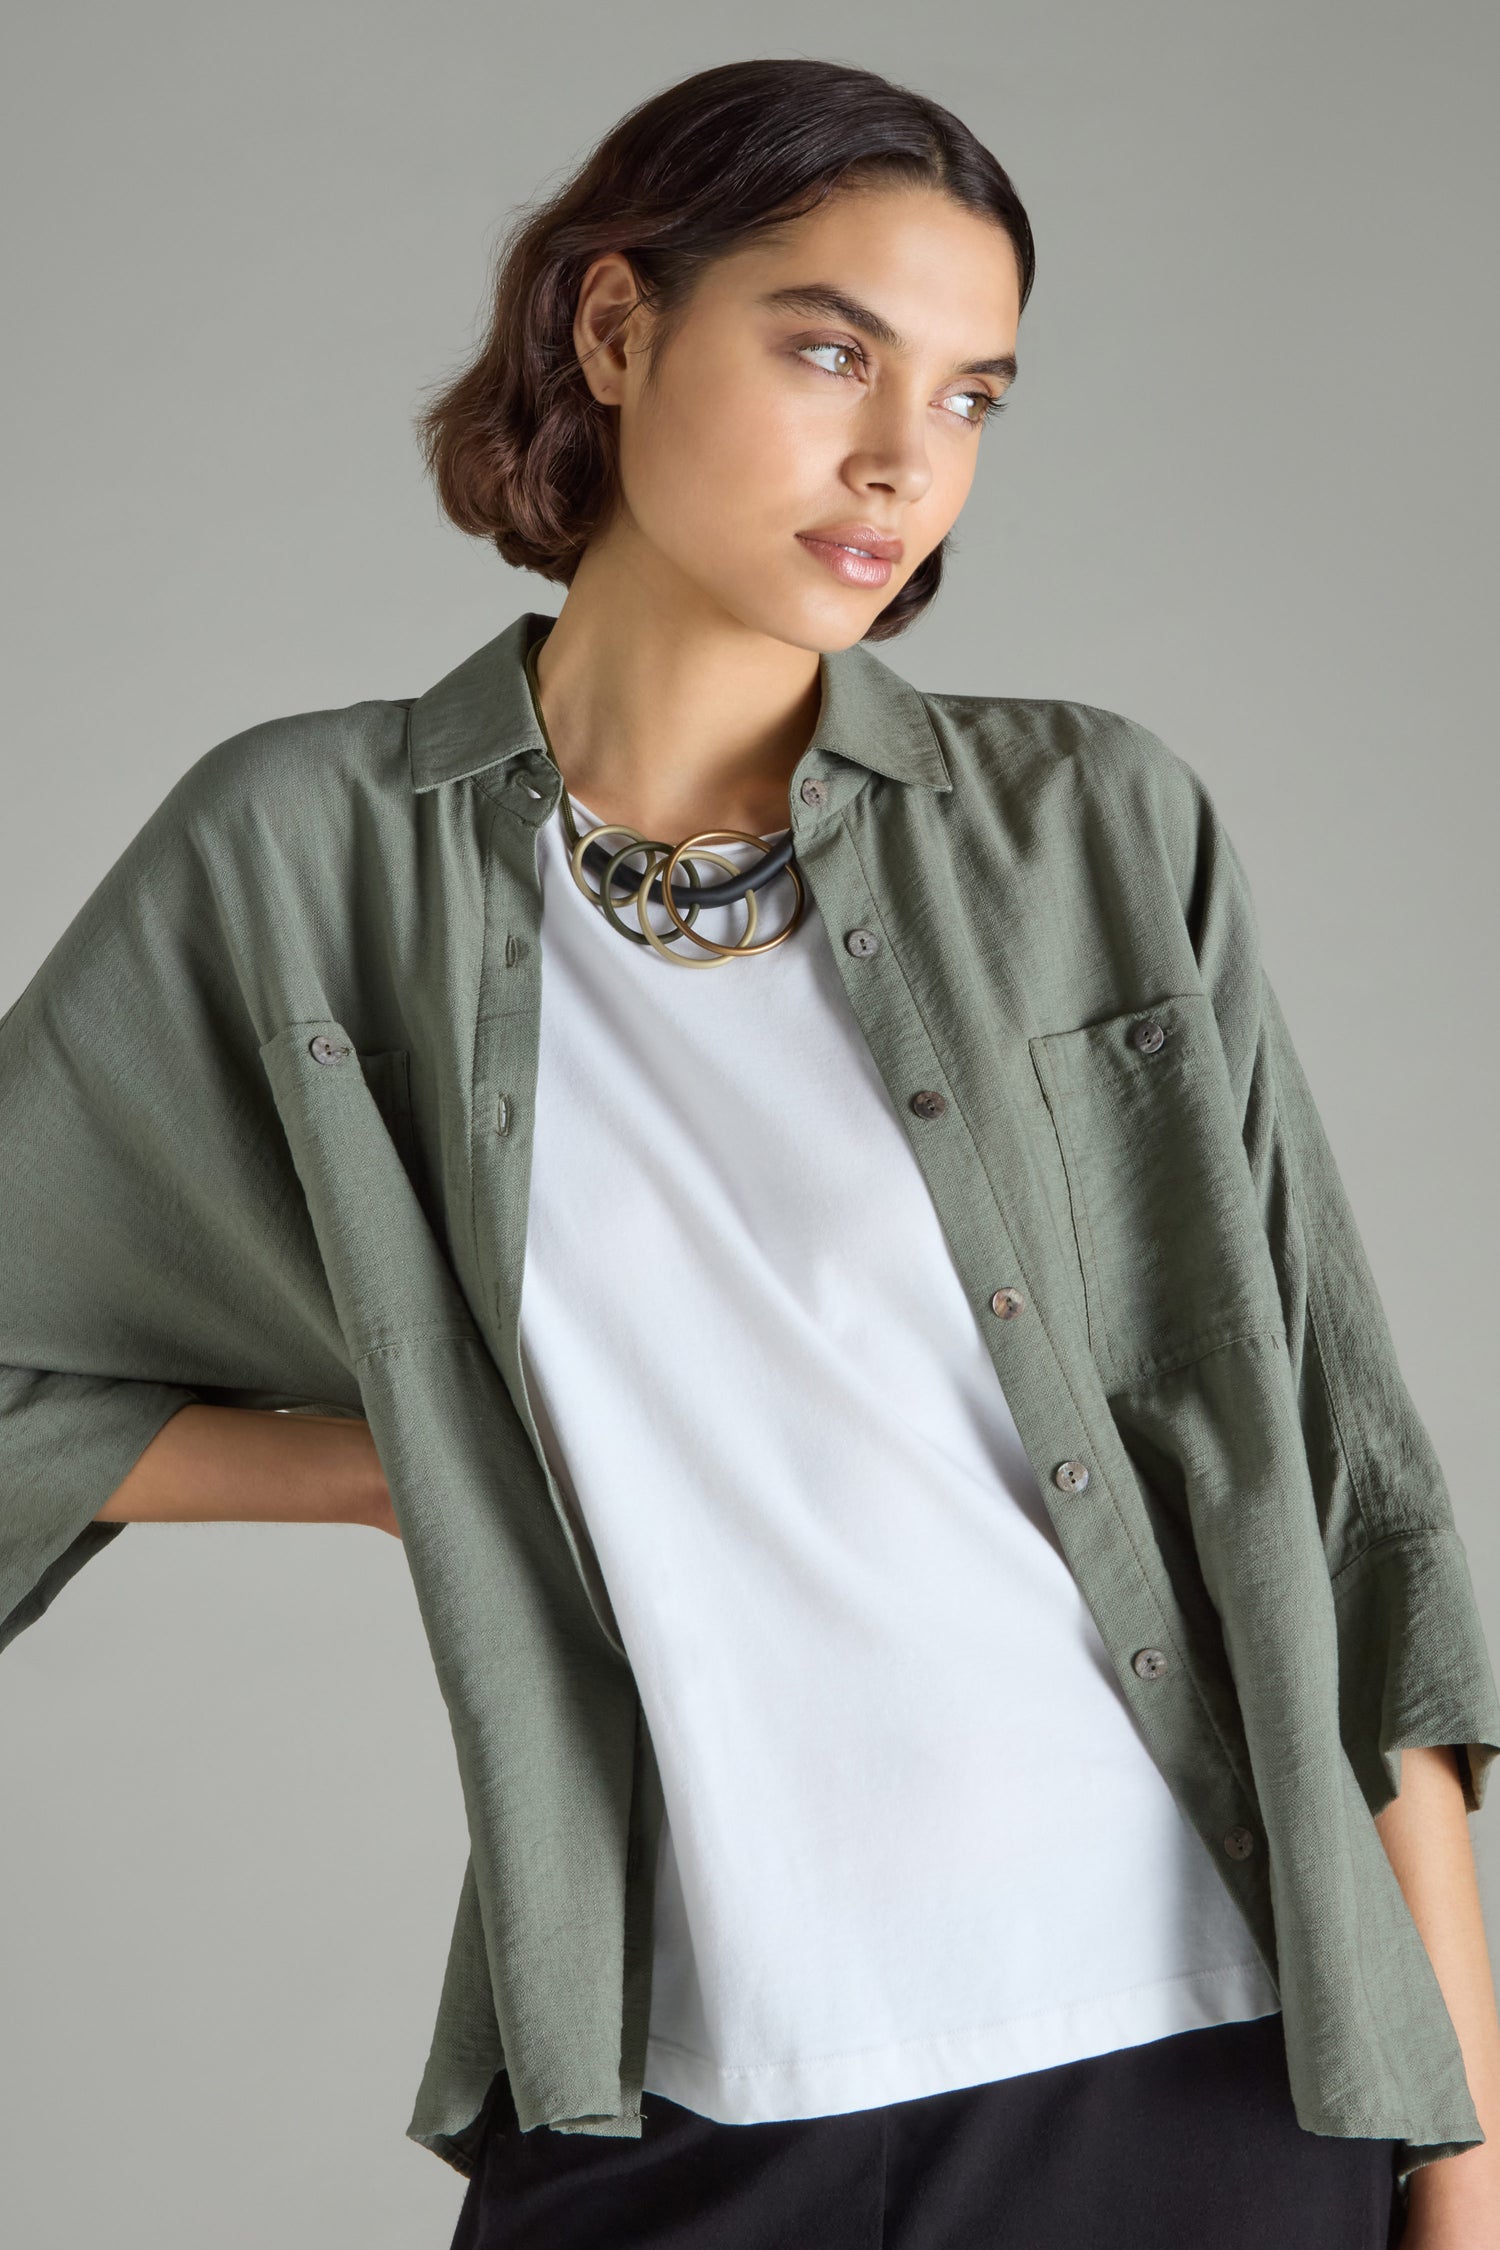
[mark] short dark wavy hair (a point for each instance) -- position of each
(520, 450)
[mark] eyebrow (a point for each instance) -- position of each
(823, 297)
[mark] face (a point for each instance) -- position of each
(782, 431)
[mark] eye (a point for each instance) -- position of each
(986, 405)
(981, 400)
(846, 351)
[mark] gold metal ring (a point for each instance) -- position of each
(718, 954)
(740, 836)
(607, 828)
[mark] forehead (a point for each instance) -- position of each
(933, 270)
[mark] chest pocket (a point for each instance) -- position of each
(348, 1119)
(1170, 1243)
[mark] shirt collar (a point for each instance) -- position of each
(481, 714)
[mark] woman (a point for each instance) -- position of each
(931, 1561)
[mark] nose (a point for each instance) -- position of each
(896, 464)
(891, 449)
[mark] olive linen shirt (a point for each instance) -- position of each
(266, 1113)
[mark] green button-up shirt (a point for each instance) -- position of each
(266, 1112)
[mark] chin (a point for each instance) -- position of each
(821, 624)
(832, 633)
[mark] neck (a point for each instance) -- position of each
(666, 713)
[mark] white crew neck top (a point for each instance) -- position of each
(914, 1839)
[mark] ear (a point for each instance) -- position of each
(607, 299)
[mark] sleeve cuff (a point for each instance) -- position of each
(1414, 1664)
(66, 1443)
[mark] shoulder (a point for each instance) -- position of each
(260, 831)
(1086, 763)
(284, 771)
(1097, 748)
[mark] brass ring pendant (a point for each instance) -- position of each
(731, 835)
(604, 897)
(665, 942)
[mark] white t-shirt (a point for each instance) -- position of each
(914, 1839)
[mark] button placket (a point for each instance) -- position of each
(1047, 1404)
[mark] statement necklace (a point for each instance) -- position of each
(659, 884)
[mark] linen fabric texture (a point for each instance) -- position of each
(193, 1206)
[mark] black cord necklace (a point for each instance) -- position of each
(659, 884)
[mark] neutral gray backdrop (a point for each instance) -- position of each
(1246, 493)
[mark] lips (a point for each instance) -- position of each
(856, 553)
(859, 538)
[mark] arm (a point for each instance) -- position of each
(1454, 2205)
(156, 1252)
(1414, 1662)
(220, 1463)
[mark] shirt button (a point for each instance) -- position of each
(327, 1050)
(1147, 1035)
(929, 1102)
(1240, 1843)
(862, 943)
(813, 792)
(1070, 1476)
(1149, 1662)
(1007, 1302)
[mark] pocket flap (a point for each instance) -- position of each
(344, 1113)
(1169, 1237)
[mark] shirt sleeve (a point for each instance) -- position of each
(156, 1243)
(1414, 1665)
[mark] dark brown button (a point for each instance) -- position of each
(1240, 1843)
(929, 1102)
(1147, 1035)
(1149, 1662)
(1007, 1302)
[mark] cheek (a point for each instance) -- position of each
(715, 456)
(953, 480)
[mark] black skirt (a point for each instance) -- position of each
(1175, 2144)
